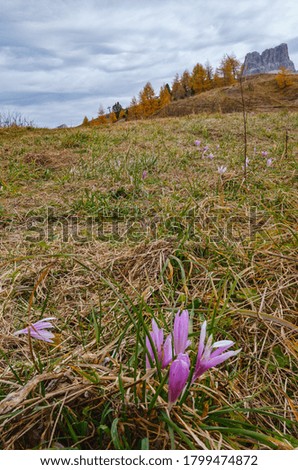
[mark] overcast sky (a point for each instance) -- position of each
(61, 59)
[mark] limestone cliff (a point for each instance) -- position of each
(270, 61)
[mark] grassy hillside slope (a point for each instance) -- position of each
(261, 94)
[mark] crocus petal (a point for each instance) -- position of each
(21, 332)
(157, 337)
(149, 354)
(46, 319)
(163, 351)
(42, 335)
(42, 325)
(156, 332)
(215, 361)
(221, 346)
(179, 372)
(181, 323)
(224, 342)
(167, 352)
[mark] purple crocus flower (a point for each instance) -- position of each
(160, 351)
(264, 153)
(269, 161)
(210, 156)
(221, 169)
(144, 174)
(246, 163)
(179, 372)
(211, 355)
(197, 143)
(163, 349)
(39, 329)
(181, 341)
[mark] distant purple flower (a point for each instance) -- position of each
(210, 156)
(181, 341)
(197, 143)
(246, 163)
(264, 153)
(206, 148)
(221, 169)
(179, 372)
(163, 349)
(269, 161)
(144, 174)
(217, 146)
(211, 355)
(38, 330)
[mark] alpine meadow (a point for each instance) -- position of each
(124, 247)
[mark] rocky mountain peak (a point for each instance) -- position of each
(270, 61)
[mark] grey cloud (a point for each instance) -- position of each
(15, 99)
(293, 50)
(24, 58)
